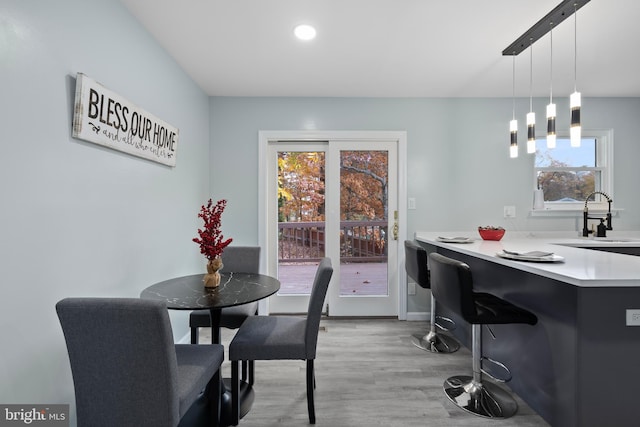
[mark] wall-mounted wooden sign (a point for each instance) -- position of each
(105, 118)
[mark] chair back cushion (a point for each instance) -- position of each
(241, 259)
(316, 301)
(123, 361)
(452, 285)
(415, 263)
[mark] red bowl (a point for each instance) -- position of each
(489, 234)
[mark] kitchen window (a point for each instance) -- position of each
(567, 175)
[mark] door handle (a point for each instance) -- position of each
(395, 225)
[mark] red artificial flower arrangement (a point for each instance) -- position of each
(211, 240)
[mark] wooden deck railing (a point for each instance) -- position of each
(360, 241)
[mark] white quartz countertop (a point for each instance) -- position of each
(581, 267)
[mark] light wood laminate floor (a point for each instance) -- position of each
(368, 374)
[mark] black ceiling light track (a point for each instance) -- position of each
(543, 26)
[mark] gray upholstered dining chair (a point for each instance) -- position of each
(282, 338)
(126, 369)
(237, 259)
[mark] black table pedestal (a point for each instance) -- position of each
(199, 415)
(246, 401)
(246, 391)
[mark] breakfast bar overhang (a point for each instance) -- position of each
(580, 365)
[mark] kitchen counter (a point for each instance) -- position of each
(587, 268)
(579, 365)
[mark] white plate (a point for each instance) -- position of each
(531, 254)
(550, 258)
(455, 239)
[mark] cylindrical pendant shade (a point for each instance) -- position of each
(513, 129)
(531, 132)
(576, 127)
(551, 125)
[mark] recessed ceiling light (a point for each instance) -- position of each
(305, 32)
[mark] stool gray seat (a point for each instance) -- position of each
(282, 337)
(127, 371)
(452, 284)
(417, 269)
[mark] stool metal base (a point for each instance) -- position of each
(435, 343)
(480, 398)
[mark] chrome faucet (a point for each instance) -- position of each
(602, 229)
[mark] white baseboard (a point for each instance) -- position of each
(417, 316)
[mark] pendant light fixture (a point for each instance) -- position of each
(545, 25)
(513, 124)
(531, 116)
(551, 108)
(575, 131)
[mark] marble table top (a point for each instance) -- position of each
(189, 293)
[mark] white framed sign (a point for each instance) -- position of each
(106, 118)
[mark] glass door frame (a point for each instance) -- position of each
(342, 304)
(268, 218)
(296, 302)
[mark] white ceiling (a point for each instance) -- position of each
(394, 48)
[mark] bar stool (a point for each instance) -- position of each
(418, 270)
(452, 284)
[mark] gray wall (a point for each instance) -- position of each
(78, 219)
(81, 220)
(459, 168)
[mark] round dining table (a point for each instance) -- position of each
(189, 293)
